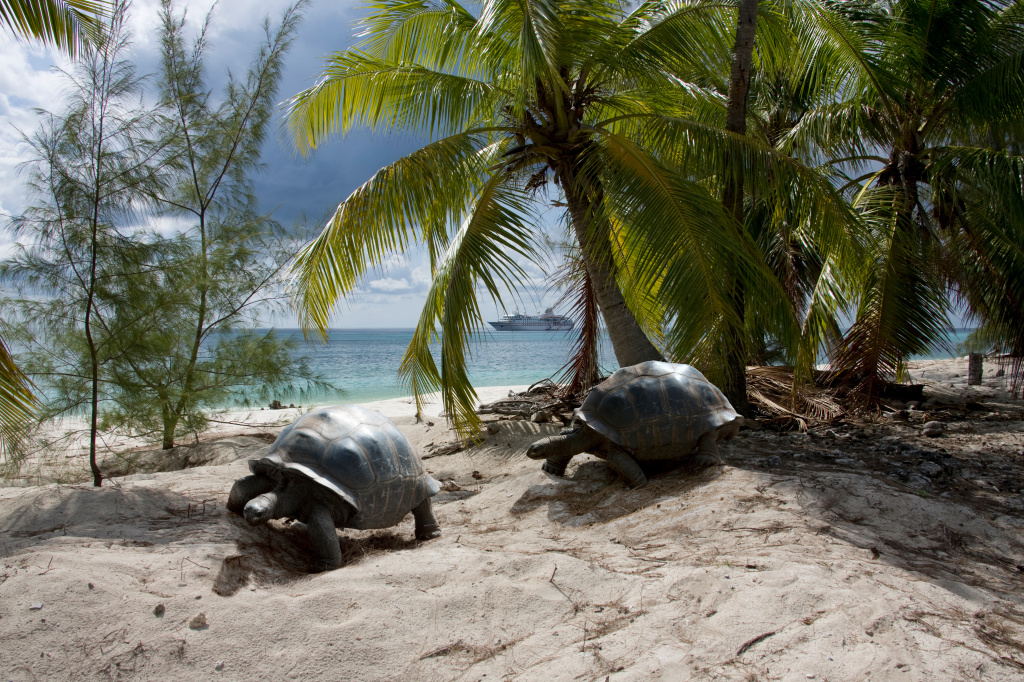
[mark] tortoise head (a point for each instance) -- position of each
(567, 443)
(260, 509)
(541, 448)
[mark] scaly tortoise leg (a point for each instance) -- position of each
(556, 465)
(707, 450)
(323, 538)
(623, 462)
(427, 527)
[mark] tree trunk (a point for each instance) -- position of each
(629, 342)
(736, 122)
(170, 422)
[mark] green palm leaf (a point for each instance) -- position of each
(68, 25)
(485, 252)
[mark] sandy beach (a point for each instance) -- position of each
(860, 549)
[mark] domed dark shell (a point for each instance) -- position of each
(358, 455)
(655, 405)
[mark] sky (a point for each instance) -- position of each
(291, 186)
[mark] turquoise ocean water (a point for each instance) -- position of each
(364, 362)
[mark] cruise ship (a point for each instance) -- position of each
(533, 323)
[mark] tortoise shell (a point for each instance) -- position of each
(656, 405)
(359, 457)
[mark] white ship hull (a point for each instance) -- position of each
(539, 326)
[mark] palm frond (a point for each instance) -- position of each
(582, 371)
(357, 89)
(412, 200)
(17, 405)
(69, 25)
(485, 253)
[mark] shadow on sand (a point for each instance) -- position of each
(595, 493)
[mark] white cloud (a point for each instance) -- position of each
(388, 284)
(392, 295)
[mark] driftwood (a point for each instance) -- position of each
(544, 397)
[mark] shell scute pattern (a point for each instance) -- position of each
(656, 404)
(358, 455)
(344, 454)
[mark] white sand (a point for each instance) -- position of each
(808, 568)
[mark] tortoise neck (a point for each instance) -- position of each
(569, 444)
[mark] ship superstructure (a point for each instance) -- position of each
(517, 322)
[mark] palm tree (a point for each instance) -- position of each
(525, 95)
(68, 25)
(928, 82)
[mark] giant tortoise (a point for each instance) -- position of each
(647, 412)
(338, 467)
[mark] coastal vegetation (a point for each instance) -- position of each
(68, 25)
(740, 183)
(738, 179)
(142, 329)
(588, 98)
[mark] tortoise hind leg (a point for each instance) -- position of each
(623, 462)
(247, 488)
(707, 450)
(427, 527)
(320, 528)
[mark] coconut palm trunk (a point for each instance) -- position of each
(736, 122)
(629, 341)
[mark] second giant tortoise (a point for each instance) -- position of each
(647, 412)
(338, 467)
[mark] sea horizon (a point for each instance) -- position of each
(363, 361)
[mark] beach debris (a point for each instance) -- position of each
(450, 486)
(276, 405)
(477, 475)
(542, 417)
(35, 607)
(159, 610)
(338, 467)
(219, 666)
(771, 390)
(646, 412)
(446, 449)
(199, 622)
(91, 586)
(493, 428)
(933, 429)
(544, 396)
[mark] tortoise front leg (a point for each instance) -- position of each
(558, 451)
(707, 450)
(427, 527)
(246, 488)
(556, 465)
(623, 462)
(323, 538)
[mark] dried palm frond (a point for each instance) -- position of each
(582, 371)
(772, 390)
